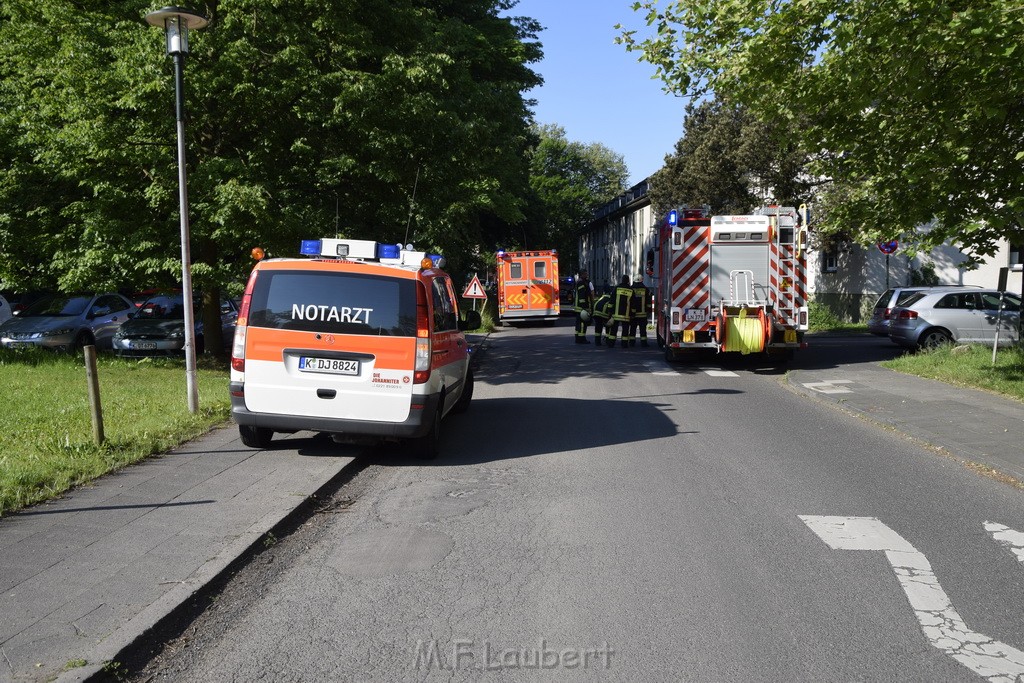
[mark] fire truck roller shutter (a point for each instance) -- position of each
(729, 257)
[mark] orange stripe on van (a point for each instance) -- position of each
(392, 353)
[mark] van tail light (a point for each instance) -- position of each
(421, 371)
(241, 325)
(907, 315)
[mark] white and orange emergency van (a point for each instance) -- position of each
(358, 339)
(528, 286)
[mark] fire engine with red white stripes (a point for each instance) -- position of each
(734, 284)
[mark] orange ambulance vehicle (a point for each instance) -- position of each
(528, 286)
(356, 340)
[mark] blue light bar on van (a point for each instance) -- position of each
(437, 260)
(389, 251)
(310, 248)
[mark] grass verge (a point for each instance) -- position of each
(46, 441)
(968, 366)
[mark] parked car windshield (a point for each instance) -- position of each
(913, 299)
(883, 300)
(55, 305)
(162, 308)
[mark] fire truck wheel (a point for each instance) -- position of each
(467, 394)
(661, 340)
(670, 355)
(427, 446)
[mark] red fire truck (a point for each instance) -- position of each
(735, 284)
(528, 286)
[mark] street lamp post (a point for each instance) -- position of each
(176, 22)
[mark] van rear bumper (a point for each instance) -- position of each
(420, 420)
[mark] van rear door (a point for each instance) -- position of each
(328, 342)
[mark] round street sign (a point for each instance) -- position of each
(888, 247)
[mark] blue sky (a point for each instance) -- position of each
(595, 89)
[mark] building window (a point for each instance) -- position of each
(1015, 254)
(831, 261)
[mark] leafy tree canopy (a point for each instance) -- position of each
(396, 121)
(913, 108)
(569, 180)
(731, 162)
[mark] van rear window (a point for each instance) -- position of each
(334, 303)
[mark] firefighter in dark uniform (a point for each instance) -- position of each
(602, 315)
(638, 311)
(621, 300)
(583, 303)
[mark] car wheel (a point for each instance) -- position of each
(427, 446)
(83, 339)
(934, 337)
(255, 437)
(467, 394)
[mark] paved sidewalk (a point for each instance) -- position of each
(83, 577)
(972, 425)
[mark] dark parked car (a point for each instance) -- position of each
(942, 316)
(158, 328)
(67, 322)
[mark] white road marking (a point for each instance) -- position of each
(942, 625)
(720, 373)
(1007, 537)
(829, 387)
(659, 369)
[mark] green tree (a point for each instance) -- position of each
(917, 105)
(569, 179)
(397, 121)
(730, 161)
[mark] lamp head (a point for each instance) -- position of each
(176, 22)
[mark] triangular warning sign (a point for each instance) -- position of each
(474, 290)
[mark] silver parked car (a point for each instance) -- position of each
(931, 318)
(6, 312)
(890, 299)
(67, 322)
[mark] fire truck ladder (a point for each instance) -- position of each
(785, 292)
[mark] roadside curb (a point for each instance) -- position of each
(127, 643)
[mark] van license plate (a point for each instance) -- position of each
(331, 365)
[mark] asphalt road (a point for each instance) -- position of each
(600, 515)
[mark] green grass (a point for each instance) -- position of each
(968, 366)
(46, 440)
(821, 319)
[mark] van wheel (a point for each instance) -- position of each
(467, 394)
(427, 446)
(255, 437)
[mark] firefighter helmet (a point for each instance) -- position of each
(585, 315)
